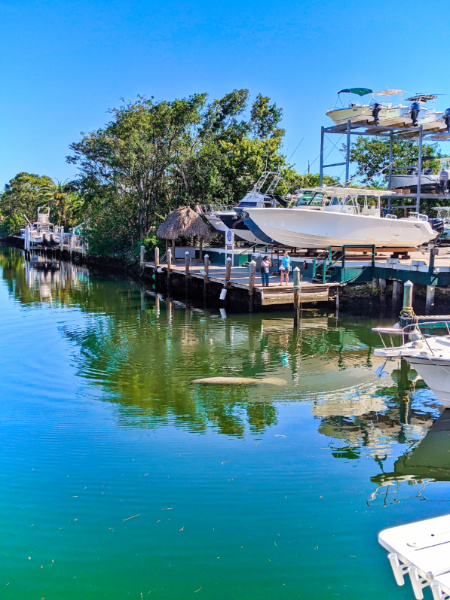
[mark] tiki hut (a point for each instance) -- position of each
(184, 222)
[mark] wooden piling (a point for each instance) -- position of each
(296, 296)
(156, 257)
(205, 278)
(187, 278)
(396, 291)
(429, 302)
(169, 267)
(142, 256)
(251, 285)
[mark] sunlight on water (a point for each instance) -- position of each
(120, 479)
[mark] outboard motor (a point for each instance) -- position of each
(443, 180)
(375, 112)
(415, 109)
(446, 118)
(437, 225)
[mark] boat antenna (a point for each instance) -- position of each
(296, 148)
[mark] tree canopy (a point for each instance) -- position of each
(154, 156)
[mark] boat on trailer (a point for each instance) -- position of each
(345, 216)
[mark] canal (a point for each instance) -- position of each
(121, 480)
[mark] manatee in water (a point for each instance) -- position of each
(239, 381)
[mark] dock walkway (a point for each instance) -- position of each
(239, 281)
(422, 551)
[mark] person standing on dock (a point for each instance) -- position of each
(266, 263)
(285, 267)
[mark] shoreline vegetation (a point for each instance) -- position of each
(153, 157)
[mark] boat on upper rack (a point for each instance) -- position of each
(342, 216)
(387, 107)
(230, 220)
(385, 104)
(428, 354)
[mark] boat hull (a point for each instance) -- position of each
(427, 182)
(233, 221)
(436, 374)
(301, 228)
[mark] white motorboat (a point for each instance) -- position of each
(230, 220)
(346, 216)
(408, 177)
(421, 114)
(443, 213)
(42, 232)
(429, 355)
(379, 108)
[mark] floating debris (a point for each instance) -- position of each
(239, 381)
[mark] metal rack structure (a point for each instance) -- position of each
(400, 127)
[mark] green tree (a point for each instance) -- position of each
(21, 196)
(155, 156)
(372, 156)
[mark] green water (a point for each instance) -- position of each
(120, 480)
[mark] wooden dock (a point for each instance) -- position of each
(232, 287)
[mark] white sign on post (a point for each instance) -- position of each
(229, 239)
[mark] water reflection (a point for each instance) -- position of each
(141, 351)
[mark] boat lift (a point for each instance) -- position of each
(399, 127)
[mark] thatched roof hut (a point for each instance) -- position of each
(184, 222)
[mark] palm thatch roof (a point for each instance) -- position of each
(183, 222)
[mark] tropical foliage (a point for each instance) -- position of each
(153, 157)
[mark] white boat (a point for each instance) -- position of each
(429, 181)
(42, 232)
(429, 355)
(443, 213)
(230, 220)
(379, 108)
(421, 114)
(346, 216)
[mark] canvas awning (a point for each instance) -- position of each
(357, 91)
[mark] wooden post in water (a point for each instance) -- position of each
(169, 267)
(296, 295)
(156, 257)
(205, 278)
(228, 269)
(396, 290)
(251, 285)
(429, 302)
(187, 262)
(142, 256)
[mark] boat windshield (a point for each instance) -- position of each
(310, 199)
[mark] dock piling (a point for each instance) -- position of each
(396, 290)
(251, 285)
(429, 302)
(407, 296)
(187, 262)
(156, 257)
(142, 255)
(297, 277)
(205, 277)
(169, 267)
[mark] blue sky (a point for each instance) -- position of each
(63, 64)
